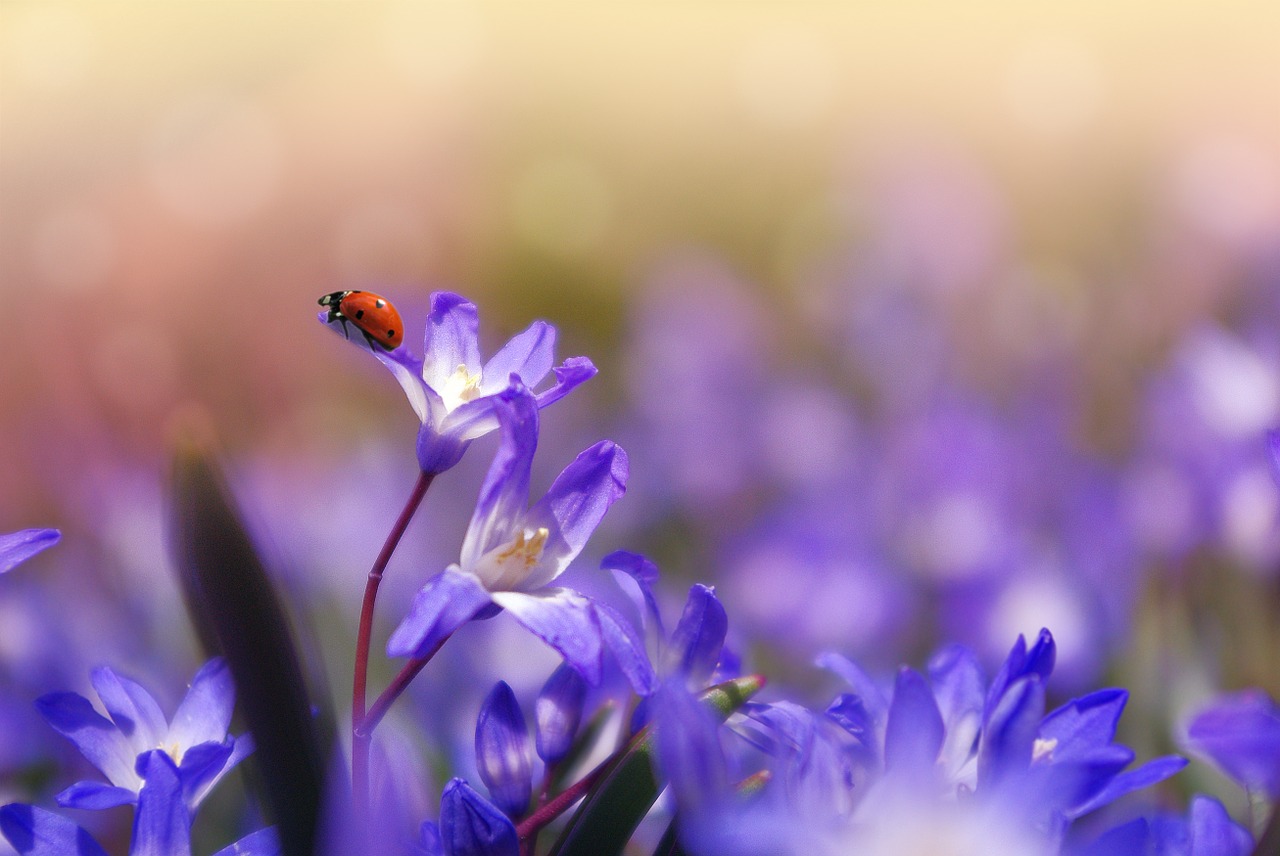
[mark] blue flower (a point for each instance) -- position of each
(195, 741)
(17, 547)
(469, 826)
(1207, 830)
(454, 394)
(161, 825)
(1240, 733)
(512, 554)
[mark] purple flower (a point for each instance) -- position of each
(512, 554)
(454, 394)
(1241, 734)
(161, 825)
(471, 826)
(1207, 830)
(196, 739)
(17, 547)
(558, 712)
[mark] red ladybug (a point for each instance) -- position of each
(374, 316)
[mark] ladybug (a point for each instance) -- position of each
(373, 315)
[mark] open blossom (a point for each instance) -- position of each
(454, 394)
(195, 740)
(17, 547)
(512, 554)
(161, 825)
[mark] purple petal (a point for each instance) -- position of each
(471, 826)
(1084, 723)
(960, 691)
(528, 355)
(564, 620)
(201, 765)
(1241, 734)
(444, 604)
(1009, 735)
(428, 843)
(1273, 452)
(205, 712)
(133, 709)
(569, 374)
(17, 547)
(1020, 663)
(95, 795)
(162, 825)
(575, 504)
(848, 712)
(264, 842)
(558, 712)
(914, 733)
(96, 737)
(1148, 774)
(438, 451)
(627, 648)
(698, 637)
(241, 748)
(451, 339)
(502, 751)
(505, 493)
(1214, 833)
(859, 681)
(689, 750)
(35, 832)
(407, 370)
(645, 574)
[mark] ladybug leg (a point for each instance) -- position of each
(346, 334)
(370, 340)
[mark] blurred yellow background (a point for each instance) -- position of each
(180, 181)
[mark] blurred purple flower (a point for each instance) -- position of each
(17, 547)
(1240, 733)
(161, 825)
(196, 739)
(454, 394)
(512, 554)
(1207, 830)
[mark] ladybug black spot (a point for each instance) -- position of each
(391, 334)
(360, 313)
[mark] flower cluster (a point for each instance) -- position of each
(940, 760)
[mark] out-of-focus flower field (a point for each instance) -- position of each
(919, 323)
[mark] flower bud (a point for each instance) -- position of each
(470, 825)
(502, 751)
(557, 713)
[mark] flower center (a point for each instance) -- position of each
(461, 387)
(1042, 750)
(505, 567)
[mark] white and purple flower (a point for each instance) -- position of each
(195, 740)
(454, 394)
(512, 554)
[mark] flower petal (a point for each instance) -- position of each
(134, 710)
(528, 355)
(35, 832)
(505, 493)
(864, 688)
(564, 620)
(627, 648)
(569, 374)
(503, 758)
(205, 713)
(451, 339)
(448, 601)
(471, 826)
(1148, 774)
(915, 731)
(558, 712)
(698, 637)
(575, 504)
(95, 795)
(162, 825)
(96, 737)
(1214, 833)
(17, 547)
(1085, 723)
(407, 370)
(1009, 735)
(644, 573)
(241, 748)
(201, 764)
(1240, 733)
(264, 842)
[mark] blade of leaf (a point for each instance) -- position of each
(235, 608)
(612, 810)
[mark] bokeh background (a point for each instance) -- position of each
(920, 320)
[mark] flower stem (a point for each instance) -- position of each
(556, 806)
(360, 677)
(398, 685)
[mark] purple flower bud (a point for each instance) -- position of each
(1241, 734)
(470, 825)
(698, 638)
(557, 713)
(502, 751)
